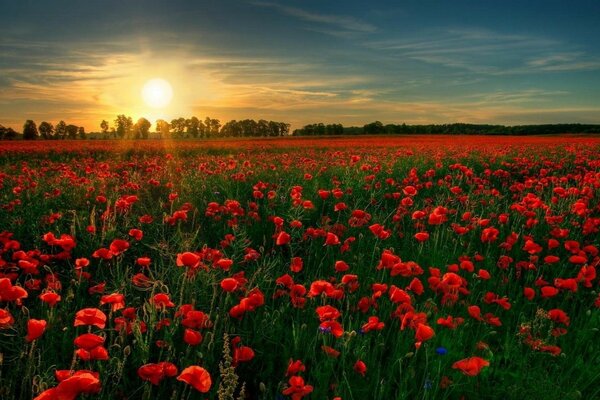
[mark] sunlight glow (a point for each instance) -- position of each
(157, 93)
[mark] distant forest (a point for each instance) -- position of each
(123, 127)
(378, 128)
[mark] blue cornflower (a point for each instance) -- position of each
(428, 384)
(324, 330)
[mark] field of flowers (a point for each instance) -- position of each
(363, 268)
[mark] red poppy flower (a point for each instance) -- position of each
(424, 332)
(296, 265)
(50, 298)
(8, 292)
(81, 263)
(195, 319)
(116, 301)
(333, 327)
(416, 286)
(192, 337)
(162, 300)
(143, 262)
(422, 236)
(141, 280)
(241, 353)
(294, 367)
(136, 234)
(373, 324)
(80, 382)
(97, 353)
(197, 377)
(118, 246)
(297, 389)
(283, 238)
(559, 316)
(330, 351)
(154, 373)
(35, 329)
(97, 289)
(471, 366)
(360, 367)
(331, 239)
(549, 291)
(102, 253)
(88, 341)
(224, 264)
(90, 316)
(327, 313)
(529, 293)
(341, 266)
(229, 284)
(6, 319)
(475, 312)
(187, 259)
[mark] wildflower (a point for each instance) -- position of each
(471, 366)
(360, 368)
(197, 377)
(90, 316)
(35, 329)
(297, 389)
(442, 351)
(154, 373)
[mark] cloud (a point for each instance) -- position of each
(487, 52)
(574, 61)
(336, 25)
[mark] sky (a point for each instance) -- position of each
(351, 62)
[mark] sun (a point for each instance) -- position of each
(157, 93)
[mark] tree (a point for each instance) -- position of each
(201, 129)
(178, 126)
(232, 129)
(374, 128)
(104, 127)
(46, 130)
(249, 128)
(72, 131)
(215, 125)
(143, 127)
(207, 126)
(273, 128)
(61, 130)
(263, 127)
(124, 126)
(193, 125)
(162, 128)
(30, 131)
(81, 132)
(7, 133)
(284, 129)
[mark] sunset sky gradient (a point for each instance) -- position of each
(509, 62)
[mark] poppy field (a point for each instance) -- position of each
(424, 267)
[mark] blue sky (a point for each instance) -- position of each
(509, 62)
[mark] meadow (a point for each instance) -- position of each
(405, 267)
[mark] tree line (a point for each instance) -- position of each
(123, 127)
(377, 128)
(45, 130)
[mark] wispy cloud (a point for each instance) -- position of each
(574, 61)
(337, 25)
(489, 53)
